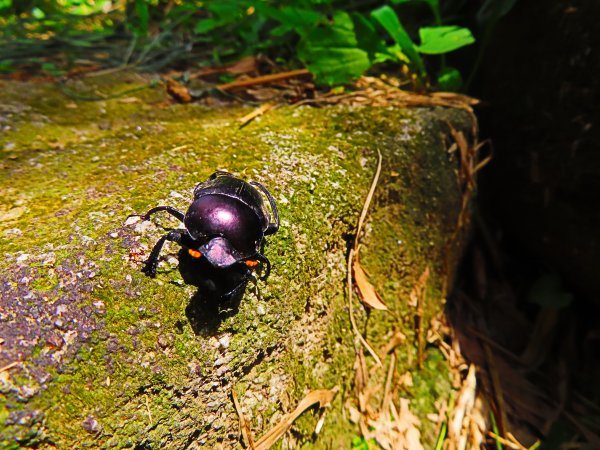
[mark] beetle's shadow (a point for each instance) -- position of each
(219, 293)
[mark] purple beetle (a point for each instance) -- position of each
(225, 224)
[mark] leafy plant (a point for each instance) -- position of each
(335, 40)
(331, 51)
(343, 48)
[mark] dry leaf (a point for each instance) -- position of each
(366, 291)
(322, 396)
(178, 91)
(397, 339)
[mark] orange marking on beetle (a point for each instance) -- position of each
(251, 263)
(194, 253)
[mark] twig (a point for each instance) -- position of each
(262, 79)
(365, 209)
(420, 331)
(351, 256)
(9, 366)
(387, 397)
(256, 113)
(507, 442)
(148, 409)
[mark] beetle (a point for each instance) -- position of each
(225, 225)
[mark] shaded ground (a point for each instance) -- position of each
(528, 307)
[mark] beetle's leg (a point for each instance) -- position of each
(240, 285)
(273, 227)
(263, 259)
(174, 212)
(152, 262)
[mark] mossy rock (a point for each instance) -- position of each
(95, 354)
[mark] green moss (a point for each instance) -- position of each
(144, 374)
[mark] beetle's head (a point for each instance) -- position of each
(219, 252)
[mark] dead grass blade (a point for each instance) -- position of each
(469, 165)
(371, 91)
(366, 291)
(265, 107)
(417, 298)
(323, 397)
(459, 422)
(244, 425)
(509, 442)
(387, 393)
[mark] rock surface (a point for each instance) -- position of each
(94, 354)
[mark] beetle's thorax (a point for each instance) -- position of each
(236, 189)
(218, 215)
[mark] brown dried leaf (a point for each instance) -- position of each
(263, 94)
(244, 65)
(178, 91)
(366, 291)
(397, 339)
(321, 396)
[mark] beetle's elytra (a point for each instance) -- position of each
(225, 224)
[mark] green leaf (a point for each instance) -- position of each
(449, 79)
(141, 9)
(37, 13)
(206, 25)
(433, 4)
(291, 19)
(331, 52)
(6, 65)
(390, 22)
(52, 69)
(223, 13)
(367, 37)
(548, 292)
(439, 40)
